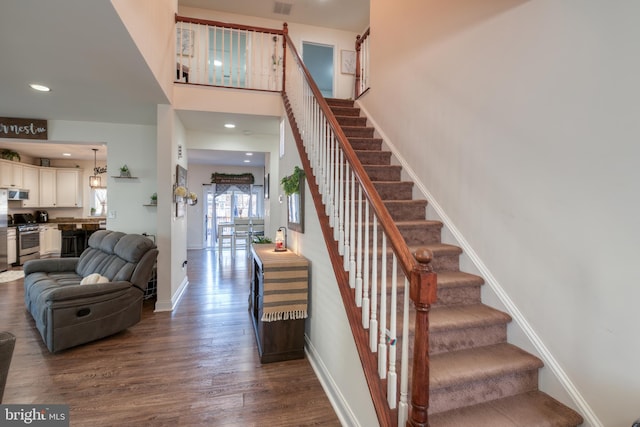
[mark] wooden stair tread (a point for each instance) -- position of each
(532, 409)
(477, 364)
(445, 318)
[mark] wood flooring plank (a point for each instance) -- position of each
(196, 366)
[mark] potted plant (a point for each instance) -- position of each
(124, 171)
(154, 199)
(10, 155)
(291, 183)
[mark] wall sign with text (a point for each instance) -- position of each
(23, 128)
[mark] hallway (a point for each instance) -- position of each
(195, 366)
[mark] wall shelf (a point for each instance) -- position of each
(124, 177)
(150, 204)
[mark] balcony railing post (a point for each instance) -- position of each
(422, 291)
(285, 32)
(357, 88)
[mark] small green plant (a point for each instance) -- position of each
(10, 155)
(154, 198)
(261, 239)
(291, 183)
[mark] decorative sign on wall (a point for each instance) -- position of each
(23, 128)
(229, 178)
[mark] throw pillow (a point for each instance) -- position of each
(94, 279)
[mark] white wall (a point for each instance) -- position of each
(151, 24)
(134, 145)
(172, 230)
(520, 118)
(330, 344)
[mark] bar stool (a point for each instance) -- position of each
(88, 230)
(69, 240)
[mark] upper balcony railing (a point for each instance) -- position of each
(229, 55)
(362, 63)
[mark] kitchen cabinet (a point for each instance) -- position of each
(11, 246)
(47, 187)
(68, 191)
(279, 289)
(10, 174)
(31, 182)
(60, 188)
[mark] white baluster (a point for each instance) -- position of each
(352, 233)
(365, 284)
(373, 330)
(403, 406)
(341, 202)
(347, 217)
(359, 251)
(392, 376)
(382, 342)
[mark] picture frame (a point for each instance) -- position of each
(181, 180)
(347, 61)
(185, 42)
(295, 209)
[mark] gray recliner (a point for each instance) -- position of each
(68, 313)
(7, 343)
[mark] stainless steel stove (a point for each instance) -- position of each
(27, 238)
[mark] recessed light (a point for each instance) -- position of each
(40, 88)
(229, 125)
(247, 161)
(66, 154)
(248, 154)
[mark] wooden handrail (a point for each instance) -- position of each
(422, 280)
(359, 40)
(405, 258)
(227, 25)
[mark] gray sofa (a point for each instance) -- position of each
(68, 313)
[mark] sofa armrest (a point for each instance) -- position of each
(76, 292)
(50, 265)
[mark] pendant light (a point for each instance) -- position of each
(94, 180)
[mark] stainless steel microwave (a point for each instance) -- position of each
(15, 194)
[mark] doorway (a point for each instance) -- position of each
(318, 59)
(223, 207)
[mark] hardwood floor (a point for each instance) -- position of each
(195, 366)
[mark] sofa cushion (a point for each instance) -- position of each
(113, 255)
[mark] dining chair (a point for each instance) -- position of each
(241, 232)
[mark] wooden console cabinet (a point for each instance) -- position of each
(279, 289)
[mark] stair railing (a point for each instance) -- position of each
(365, 248)
(362, 63)
(229, 55)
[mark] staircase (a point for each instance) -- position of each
(477, 377)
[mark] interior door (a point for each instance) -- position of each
(318, 59)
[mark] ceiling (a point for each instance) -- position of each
(348, 15)
(82, 50)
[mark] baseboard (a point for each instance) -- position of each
(549, 361)
(175, 298)
(337, 400)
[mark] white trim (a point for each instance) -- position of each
(163, 306)
(337, 400)
(549, 361)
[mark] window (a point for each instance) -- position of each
(99, 201)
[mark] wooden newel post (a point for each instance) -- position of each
(285, 32)
(422, 292)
